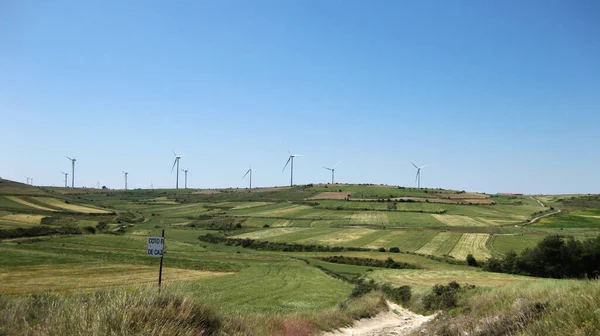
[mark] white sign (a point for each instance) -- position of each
(156, 246)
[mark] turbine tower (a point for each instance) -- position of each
(66, 179)
(28, 178)
(72, 171)
(291, 158)
(185, 174)
(249, 171)
(125, 173)
(332, 172)
(176, 162)
(418, 177)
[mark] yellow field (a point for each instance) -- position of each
(71, 207)
(28, 279)
(458, 220)
(384, 241)
(262, 234)
(426, 278)
(28, 219)
(435, 243)
(288, 210)
(29, 204)
(369, 217)
(282, 223)
(250, 205)
(338, 237)
(473, 243)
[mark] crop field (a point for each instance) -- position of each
(264, 234)
(458, 220)
(28, 204)
(20, 220)
(472, 243)
(86, 277)
(426, 278)
(442, 243)
(70, 207)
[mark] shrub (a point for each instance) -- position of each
(381, 249)
(395, 250)
(442, 297)
(471, 261)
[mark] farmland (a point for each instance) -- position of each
(105, 247)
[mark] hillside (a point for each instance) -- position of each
(261, 254)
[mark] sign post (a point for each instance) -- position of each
(156, 248)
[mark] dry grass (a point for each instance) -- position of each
(70, 277)
(458, 220)
(338, 237)
(282, 212)
(117, 312)
(543, 307)
(472, 243)
(263, 234)
(369, 217)
(29, 204)
(71, 207)
(437, 243)
(427, 278)
(25, 218)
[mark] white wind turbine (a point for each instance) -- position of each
(72, 171)
(125, 173)
(185, 173)
(418, 177)
(176, 162)
(66, 177)
(249, 171)
(291, 158)
(332, 169)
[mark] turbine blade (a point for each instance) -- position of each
(297, 154)
(337, 164)
(68, 158)
(174, 162)
(424, 166)
(417, 176)
(175, 155)
(414, 165)
(288, 161)
(246, 173)
(326, 168)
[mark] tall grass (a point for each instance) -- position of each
(548, 307)
(140, 311)
(143, 311)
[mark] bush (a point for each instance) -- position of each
(381, 249)
(89, 229)
(442, 297)
(395, 250)
(471, 261)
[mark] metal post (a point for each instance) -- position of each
(161, 263)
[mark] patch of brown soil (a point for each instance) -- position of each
(463, 196)
(331, 195)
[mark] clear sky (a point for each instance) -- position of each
(498, 96)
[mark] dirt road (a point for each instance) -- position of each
(397, 321)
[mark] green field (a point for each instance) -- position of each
(110, 249)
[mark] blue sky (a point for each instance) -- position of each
(497, 96)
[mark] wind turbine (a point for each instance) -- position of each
(176, 162)
(125, 173)
(72, 171)
(185, 172)
(418, 177)
(332, 172)
(249, 171)
(66, 174)
(28, 178)
(291, 158)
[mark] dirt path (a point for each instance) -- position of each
(546, 215)
(397, 321)
(540, 202)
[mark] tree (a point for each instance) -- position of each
(471, 261)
